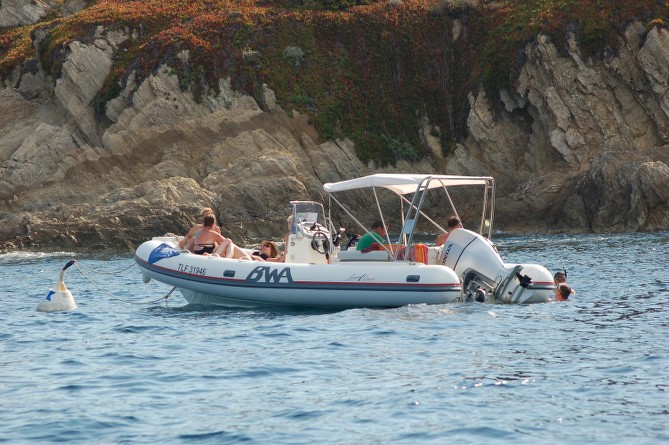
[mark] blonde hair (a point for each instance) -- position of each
(206, 211)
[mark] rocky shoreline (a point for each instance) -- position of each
(579, 146)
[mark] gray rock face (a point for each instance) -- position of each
(25, 12)
(577, 141)
(67, 182)
(578, 146)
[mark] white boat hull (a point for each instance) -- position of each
(219, 281)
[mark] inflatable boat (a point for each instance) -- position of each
(318, 272)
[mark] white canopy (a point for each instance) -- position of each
(405, 183)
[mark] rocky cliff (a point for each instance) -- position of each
(577, 145)
(22, 12)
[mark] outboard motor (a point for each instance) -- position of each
(486, 278)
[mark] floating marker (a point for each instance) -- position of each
(58, 298)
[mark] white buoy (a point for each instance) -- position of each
(58, 298)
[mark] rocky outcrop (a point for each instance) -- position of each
(66, 181)
(577, 146)
(581, 145)
(22, 12)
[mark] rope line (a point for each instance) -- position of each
(112, 296)
(104, 273)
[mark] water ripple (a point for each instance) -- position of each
(592, 370)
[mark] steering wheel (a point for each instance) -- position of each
(320, 242)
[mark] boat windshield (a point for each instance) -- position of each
(307, 212)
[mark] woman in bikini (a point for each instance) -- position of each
(187, 241)
(269, 250)
(207, 237)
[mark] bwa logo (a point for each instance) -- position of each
(268, 275)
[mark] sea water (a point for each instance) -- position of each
(122, 368)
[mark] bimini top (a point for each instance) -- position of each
(402, 184)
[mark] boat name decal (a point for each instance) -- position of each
(269, 275)
(363, 277)
(194, 270)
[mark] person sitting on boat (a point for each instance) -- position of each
(374, 239)
(281, 258)
(228, 249)
(453, 223)
(269, 250)
(207, 238)
(187, 241)
(562, 292)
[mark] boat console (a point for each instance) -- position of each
(309, 240)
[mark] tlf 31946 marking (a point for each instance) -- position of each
(194, 270)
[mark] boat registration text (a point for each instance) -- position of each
(194, 270)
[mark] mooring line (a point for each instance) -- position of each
(105, 273)
(112, 296)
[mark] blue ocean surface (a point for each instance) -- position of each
(123, 368)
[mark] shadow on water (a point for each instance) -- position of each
(195, 311)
